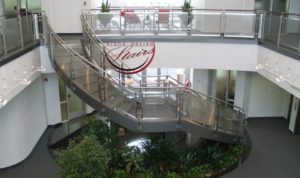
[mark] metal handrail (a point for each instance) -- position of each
(92, 37)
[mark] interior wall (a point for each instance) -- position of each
(205, 56)
(267, 99)
(64, 15)
(22, 122)
(200, 80)
(52, 100)
(230, 4)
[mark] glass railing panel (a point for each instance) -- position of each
(134, 22)
(27, 29)
(106, 23)
(178, 24)
(206, 23)
(1, 45)
(271, 28)
(159, 105)
(11, 34)
(239, 24)
(290, 34)
(227, 120)
(198, 109)
(62, 58)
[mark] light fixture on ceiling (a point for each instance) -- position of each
(39, 69)
(23, 81)
(259, 66)
(3, 102)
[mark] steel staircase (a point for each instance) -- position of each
(167, 107)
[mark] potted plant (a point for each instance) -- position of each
(105, 16)
(187, 7)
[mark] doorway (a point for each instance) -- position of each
(71, 105)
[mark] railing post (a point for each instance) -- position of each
(71, 72)
(217, 115)
(262, 25)
(3, 32)
(20, 23)
(279, 30)
(51, 48)
(139, 111)
(222, 24)
(179, 107)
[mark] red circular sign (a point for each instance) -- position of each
(130, 57)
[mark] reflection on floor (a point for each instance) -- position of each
(275, 154)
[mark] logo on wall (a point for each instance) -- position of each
(130, 57)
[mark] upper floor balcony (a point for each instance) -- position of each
(279, 29)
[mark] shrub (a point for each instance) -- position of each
(199, 171)
(107, 136)
(85, 159)
(120, 174)
(147, 174)
(159, 155)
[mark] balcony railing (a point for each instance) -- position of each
(17, 33)
(279, 29)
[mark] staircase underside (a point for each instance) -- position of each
(158, 114)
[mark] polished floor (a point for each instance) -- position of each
(275, 154)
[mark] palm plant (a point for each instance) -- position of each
(105, 7)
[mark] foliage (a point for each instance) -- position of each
(146, 174)
(186, 159)
(120, 174)
(105, 7)
(212, 153)
(172, 175)
(134, 160)
(232, 156)
(199, 171)
(85, 159)
(187, 7)
(159, 155)
(107, 136)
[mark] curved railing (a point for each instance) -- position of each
(183, 103)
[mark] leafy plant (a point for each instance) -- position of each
(105, 7)
(199, 171)
(187, 159)
(172, 175)
(147, 174)
(108, 136)
(187, 7)
(85, 159)
(120, 174)
(159, 155)
(134, 160)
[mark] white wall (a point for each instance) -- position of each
(267, 99)
(275, 65)
(224, 56)
(52, 100)
(64, 15)
(230, 4)
(22, 122)
(200, 80)
(242, 90)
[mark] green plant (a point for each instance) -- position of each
(172, 175)
(105, 7)
(85, 159)
(147, 174)
(159, 155)
(199, 171)
(187, 7)
(134, 160)
(108, 136)
(120, 174)
(187, 159)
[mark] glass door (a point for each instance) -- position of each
(70, 104)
